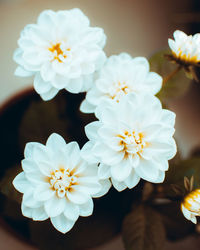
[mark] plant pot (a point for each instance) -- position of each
(21, 121)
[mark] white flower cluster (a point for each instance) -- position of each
(185, 49)
(132, 139)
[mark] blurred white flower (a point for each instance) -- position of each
(120, 75)
(62, 52)
(132, 140)
(190, 206)
(57, 183)
(185, 49)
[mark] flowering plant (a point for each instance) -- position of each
(129, 144)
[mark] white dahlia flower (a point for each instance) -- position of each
(57, 183)
(62, 51)
(190, 206)
(132, 140)
(185, 49)
(120, 75)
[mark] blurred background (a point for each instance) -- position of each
(139, 27)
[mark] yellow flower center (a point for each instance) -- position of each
(132, 143)
(192, 201)
(62, 180)
(58, 52)
(118, 89)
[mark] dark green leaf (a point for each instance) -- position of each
(176, 226)
(143, 229)
(174, 87)
(40, 120)
(184, 168)
(6, 186)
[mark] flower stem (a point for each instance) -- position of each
(172, 74)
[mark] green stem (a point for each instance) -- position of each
(172, 74)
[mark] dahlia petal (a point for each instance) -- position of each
(91, 130)
(104, 171)
(86, 209)
(86, 153)
(49, 94)
(29, 200)
(120, 186)
(77, 197)
(147, 170)
(121, 171)
(20, 71)
(54, 206)
(28, 165)
(26, 211)
(28, 151)
(39, 214)
(43, 192)
(62, 224)
(71, 211)
(105, 186)
(21, 183)
(40, 85)
(74, 86)
(86, 107)
(132, 180)
(55, 141)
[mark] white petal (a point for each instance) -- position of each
(86, 209)
(39, 214)
(132, 180)
(153, 82)
(72, 150)
(91, 130)
(86, 107)
(74, 86)
(55, 206)
(43, 192)
(121, 171)
(160, 178)
(28, 165)
(71, 211)
(105, 187)
(104, 171)
(86, 153)
(62, 224)
(21, 183)
(49, 94)
(120, 186)
(28, 151)
(29, 200)
(77, 197)
(40, 85)
(147, 170)
(55, 141)
(26, 211)
(22, 72)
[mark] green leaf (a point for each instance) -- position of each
(143, 229)
(184, 168)
(176, 226)
(6, 186)
(40, 120)
(177, 85)
(60, 115)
